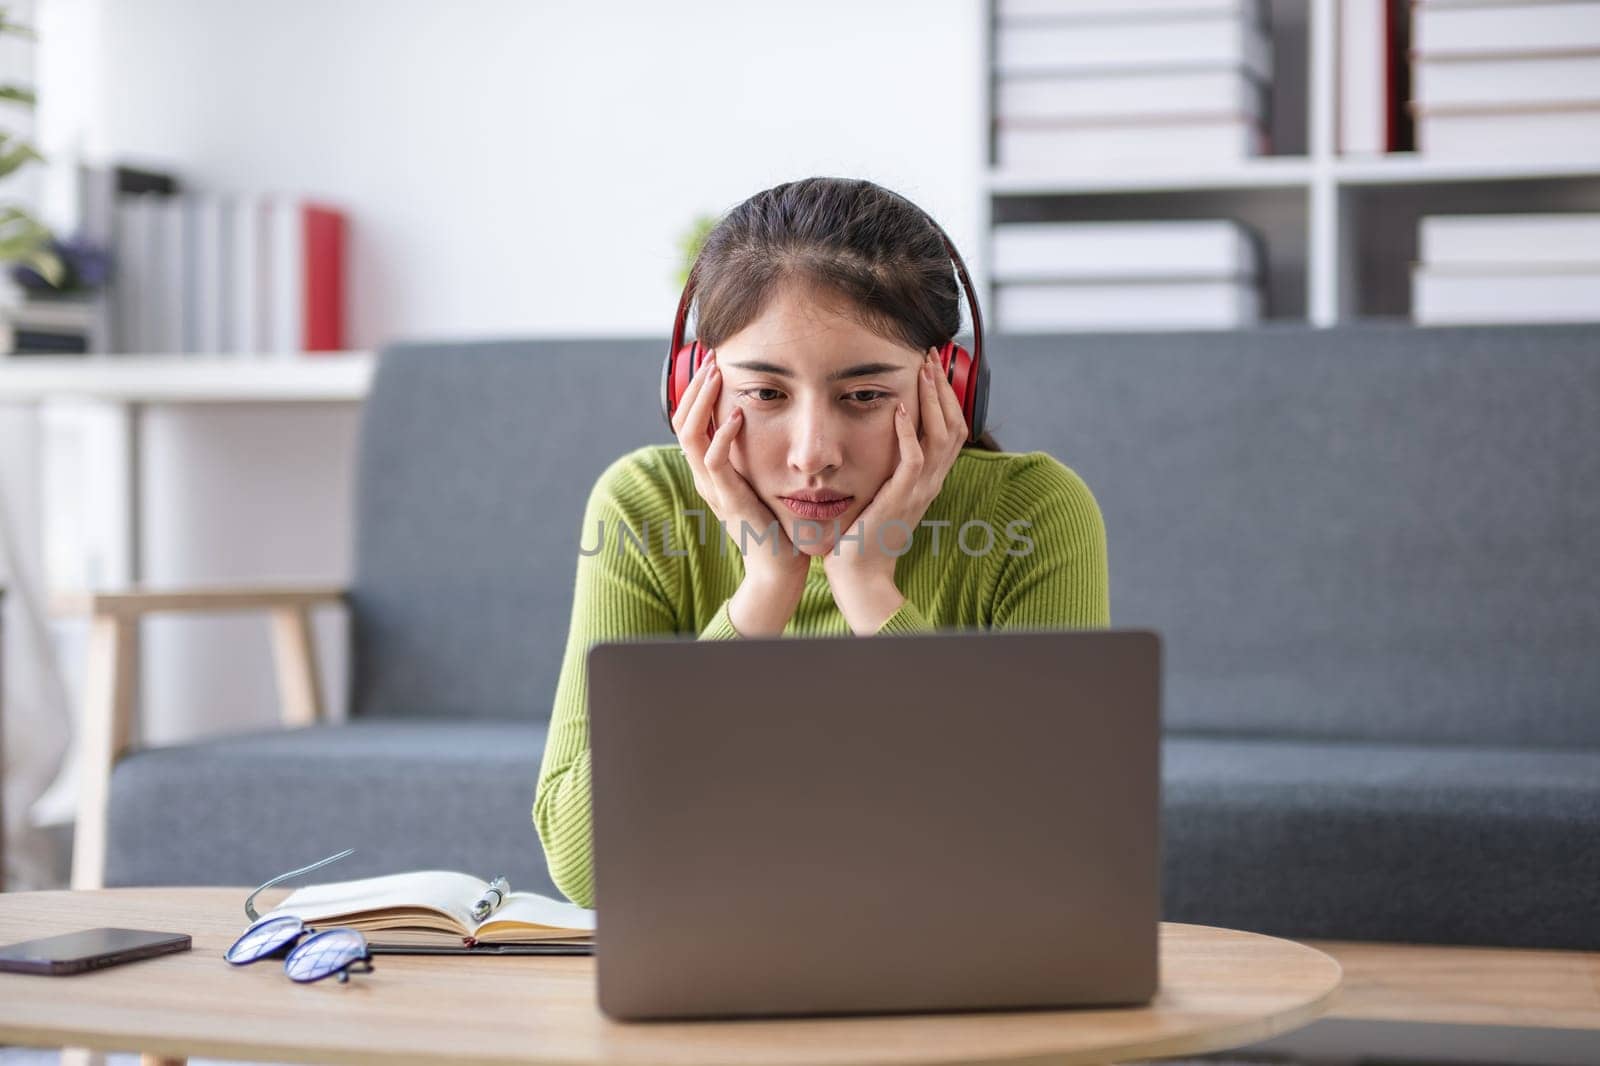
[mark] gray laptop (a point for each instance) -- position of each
(952, 821)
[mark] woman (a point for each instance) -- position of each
(825, 481)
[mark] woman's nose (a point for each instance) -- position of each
(814, 442)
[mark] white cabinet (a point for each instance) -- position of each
(1339, 232)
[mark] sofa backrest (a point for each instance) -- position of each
(1369, 532)
(476, 460)
(1375, 532)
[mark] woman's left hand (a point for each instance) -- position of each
(860, 571)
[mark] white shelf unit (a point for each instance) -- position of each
(341, 377)
(1339, 233)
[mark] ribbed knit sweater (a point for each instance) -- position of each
(666, 573)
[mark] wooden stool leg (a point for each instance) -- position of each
(110, 694)
(78, 1056)
(294, 651)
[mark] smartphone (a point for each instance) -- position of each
(88, 949)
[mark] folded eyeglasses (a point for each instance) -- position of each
(311, 954)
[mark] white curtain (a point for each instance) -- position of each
(36, 710)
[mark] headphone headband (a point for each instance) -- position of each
(680, 321)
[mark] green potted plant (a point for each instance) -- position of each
(689, 243)
(23, 238)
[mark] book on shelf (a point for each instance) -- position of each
(118, 208)
(95, 203)
(247, 280)
(1399, 131)
(1567, 134)
(168, 290)
(138, 181)
(247, 275)
(1374, 80)
(61, 314)
(26, 341)
(305, 260)
(1254, 10)
(1109, 149)
(1199, 42)
(1146, 305)
(1213, 249)
(52, 326)
(132, 251)
(1363, 76)
(210, 263)
(1444, 30)
(1525, 78)
(1225, 91)
(1460, 296)
(434, 907)
(1559, 238)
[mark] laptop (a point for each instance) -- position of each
(952, 821)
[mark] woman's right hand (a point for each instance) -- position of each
(775, 572)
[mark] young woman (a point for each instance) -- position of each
(827, 479)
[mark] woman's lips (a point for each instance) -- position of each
(808, 509)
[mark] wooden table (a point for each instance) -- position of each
(1220, 988)
(1531, 988)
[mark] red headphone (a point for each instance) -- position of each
(967, 372)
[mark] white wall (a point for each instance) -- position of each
(510, 167)
(241, 494)
(517, 167)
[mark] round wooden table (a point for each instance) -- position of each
(1219, 988)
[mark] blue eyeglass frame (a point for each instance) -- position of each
(336, 952)
(339, 951)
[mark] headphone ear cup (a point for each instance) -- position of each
(965, 378)
(679, 370)
(666, 385)
(980, 400)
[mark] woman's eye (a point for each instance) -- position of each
(865, 397)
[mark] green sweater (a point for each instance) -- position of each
(681, 580)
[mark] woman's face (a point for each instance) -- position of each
(819, 394)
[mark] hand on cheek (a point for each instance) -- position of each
(929, 433)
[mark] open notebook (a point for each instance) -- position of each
(432, 910)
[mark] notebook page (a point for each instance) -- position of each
(442, 890)
(530, 908)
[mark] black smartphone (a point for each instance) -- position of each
(88, 949)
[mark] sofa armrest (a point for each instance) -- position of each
(105, 728)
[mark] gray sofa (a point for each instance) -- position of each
(1373, 554)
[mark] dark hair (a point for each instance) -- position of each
(849, 237)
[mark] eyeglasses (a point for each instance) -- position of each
(335, 952)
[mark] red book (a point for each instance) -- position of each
(323, 230)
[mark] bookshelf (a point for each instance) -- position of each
(1339, 233)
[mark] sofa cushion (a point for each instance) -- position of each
(407, 795)
(1366, 841)
(1343, 840)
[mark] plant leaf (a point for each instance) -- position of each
(47, 264)
(16, 28)
(19, 156)
(18, 95)
(25, 239)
